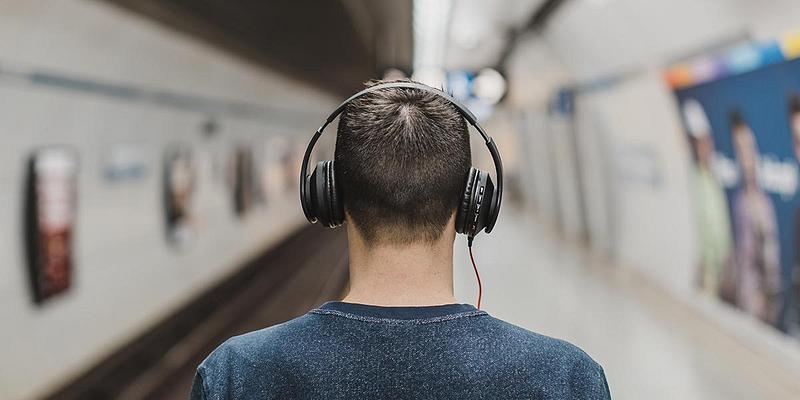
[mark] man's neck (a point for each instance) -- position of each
(417, 274)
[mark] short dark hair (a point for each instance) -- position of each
(402, 159)
(737, 120)
(794, 103)
(794, 109)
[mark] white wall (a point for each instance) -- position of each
(539, 174)
(592, 39)
(650, 209)
(127, 276)
(594, 136)
(535, 72)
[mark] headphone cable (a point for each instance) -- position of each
(477, 275)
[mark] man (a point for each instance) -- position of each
(757, 246)
(402, 159)
(794, 124)
(715, 269)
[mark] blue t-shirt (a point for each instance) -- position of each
(354, 351)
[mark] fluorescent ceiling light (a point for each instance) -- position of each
(431, 20)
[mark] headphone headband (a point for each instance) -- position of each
(464, 111)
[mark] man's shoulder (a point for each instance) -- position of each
(258, 358)
(257, 348)
(541, 349)
(550, 360)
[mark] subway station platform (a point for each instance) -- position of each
(151, 152)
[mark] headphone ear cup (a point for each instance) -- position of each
(319, 193)
(466, 199)
(493, 204)
(306, 197)
(482, 203)
(334, 197)
(476, 204)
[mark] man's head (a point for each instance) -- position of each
(744, 144)
(794, 122)
(699, 129)
(402, 159)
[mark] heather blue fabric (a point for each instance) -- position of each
(353, 351)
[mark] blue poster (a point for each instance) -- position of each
(744, 133)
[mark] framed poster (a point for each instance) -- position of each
(242, 180)
(50, 213)
(179, 186)
(743, 128)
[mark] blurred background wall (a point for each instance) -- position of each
(122, 91)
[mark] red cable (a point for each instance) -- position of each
(478, 276)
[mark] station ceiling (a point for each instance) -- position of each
(480, 30)
(335, 44)
(338, 44)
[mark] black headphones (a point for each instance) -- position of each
(480, 204)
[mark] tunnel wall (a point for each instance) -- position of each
(633, 155)
(122, 93)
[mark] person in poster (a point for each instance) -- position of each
(715, 268)
(274, 173)
(243, 180)
(291, 159)
(179, 182)
(757, 245)
(794, 124)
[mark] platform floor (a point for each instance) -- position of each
(650, 347)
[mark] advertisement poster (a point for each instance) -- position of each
(743, 128)
(291, 159)
(180, 175)
(242, 180)
(50, 207)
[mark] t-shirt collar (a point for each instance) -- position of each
(417, 312)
